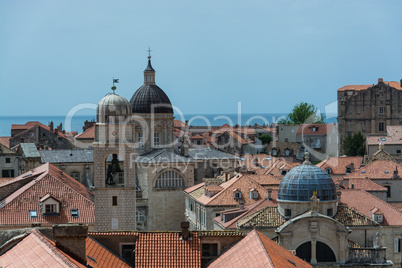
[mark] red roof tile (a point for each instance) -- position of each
(5, 141)
(14, 209)
(87, 134)
(338, 164)
(102, 256)
(376, 170)
(36, 251)
(364, 202)
(365, 184)
(167, 250)
(257, 250)
(320, 129)
(394, 84)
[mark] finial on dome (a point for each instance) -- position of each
(114, 81)
(149, 53)
(306, 158)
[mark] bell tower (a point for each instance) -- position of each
(114, 166)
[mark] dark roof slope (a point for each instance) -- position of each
(150, 99)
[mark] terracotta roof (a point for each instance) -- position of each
(321, 129)
(376, 170)
(120, 233)
(267, 217)
(36, 251)
(167, 250)
(87, 134)
(257, 250)
(364, 202)
(338, 164)
(5, 141)
(351, 217)
(195, 137)
(179, 124)
(225, 196)
(213, 188)
(282, 146)
(394, 84)
(281, 165)
(14, 209)
(99, 256)
(32, 124)
(365, 184)
(194, 187)
(394, 137)
(264, 179)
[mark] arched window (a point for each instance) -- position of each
(169, 179)
(140, 218)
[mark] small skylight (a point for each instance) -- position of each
(242, 159)
(386, 172)
(74, 213)
(262, 166)
(383, 139)
(268, 158)
(363, 171)
(33, 214)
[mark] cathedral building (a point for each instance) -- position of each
(139, 173)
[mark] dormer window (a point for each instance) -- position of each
(287, 151)
(328, 170)
(315, 129)
(50, 206)
(377, 215)
(253, 194)
(283, 172)
(348, 169)
(274, 151)
(237, 194)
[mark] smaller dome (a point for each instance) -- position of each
(113, 105)
(300, 183)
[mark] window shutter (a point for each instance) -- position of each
(396, 245)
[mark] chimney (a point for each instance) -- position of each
(396, 173)
(70, 238)
(226, 176)
(380, 80)
(401, 82)
(269, 193)
(352, 167)
(185, 233)
(51, 126)
(56, 131)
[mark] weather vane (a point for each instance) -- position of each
(114, 81)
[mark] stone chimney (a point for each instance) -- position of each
(185, 233)
(396, 176)
(380, 80)
(70, 238)
(352, 167)
(51, 126)
(269, 193)
(401, 82)
(381, 146)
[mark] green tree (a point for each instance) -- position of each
(265, 139)
(304, 113)
(354, 145)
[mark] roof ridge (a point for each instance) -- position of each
(53, 248)
(263, 246)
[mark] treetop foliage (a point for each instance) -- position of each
(304, 113)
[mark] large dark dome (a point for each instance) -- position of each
(150, 98)
(300, 183)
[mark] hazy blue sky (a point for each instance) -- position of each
(208, 55)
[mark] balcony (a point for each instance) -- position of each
(367, 256)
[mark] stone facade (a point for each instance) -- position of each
(369, 109)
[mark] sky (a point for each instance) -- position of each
(208, 55)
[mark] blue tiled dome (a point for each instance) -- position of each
(300, 183)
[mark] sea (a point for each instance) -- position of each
(76, 122)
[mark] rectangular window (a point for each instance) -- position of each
(115, 223)
(398, 151)
(381, 110)
(237, 195)
(7, 173)
(388, 190)
(156, 139)
(8, 160)
(33, 214)
(381, 126)
(288, 212)
(50, 208)
(75, 175)
(330, 212)
(114, 201)
(127, 252)
(140, 139)
(75, 213)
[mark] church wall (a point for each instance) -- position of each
(298, 208)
